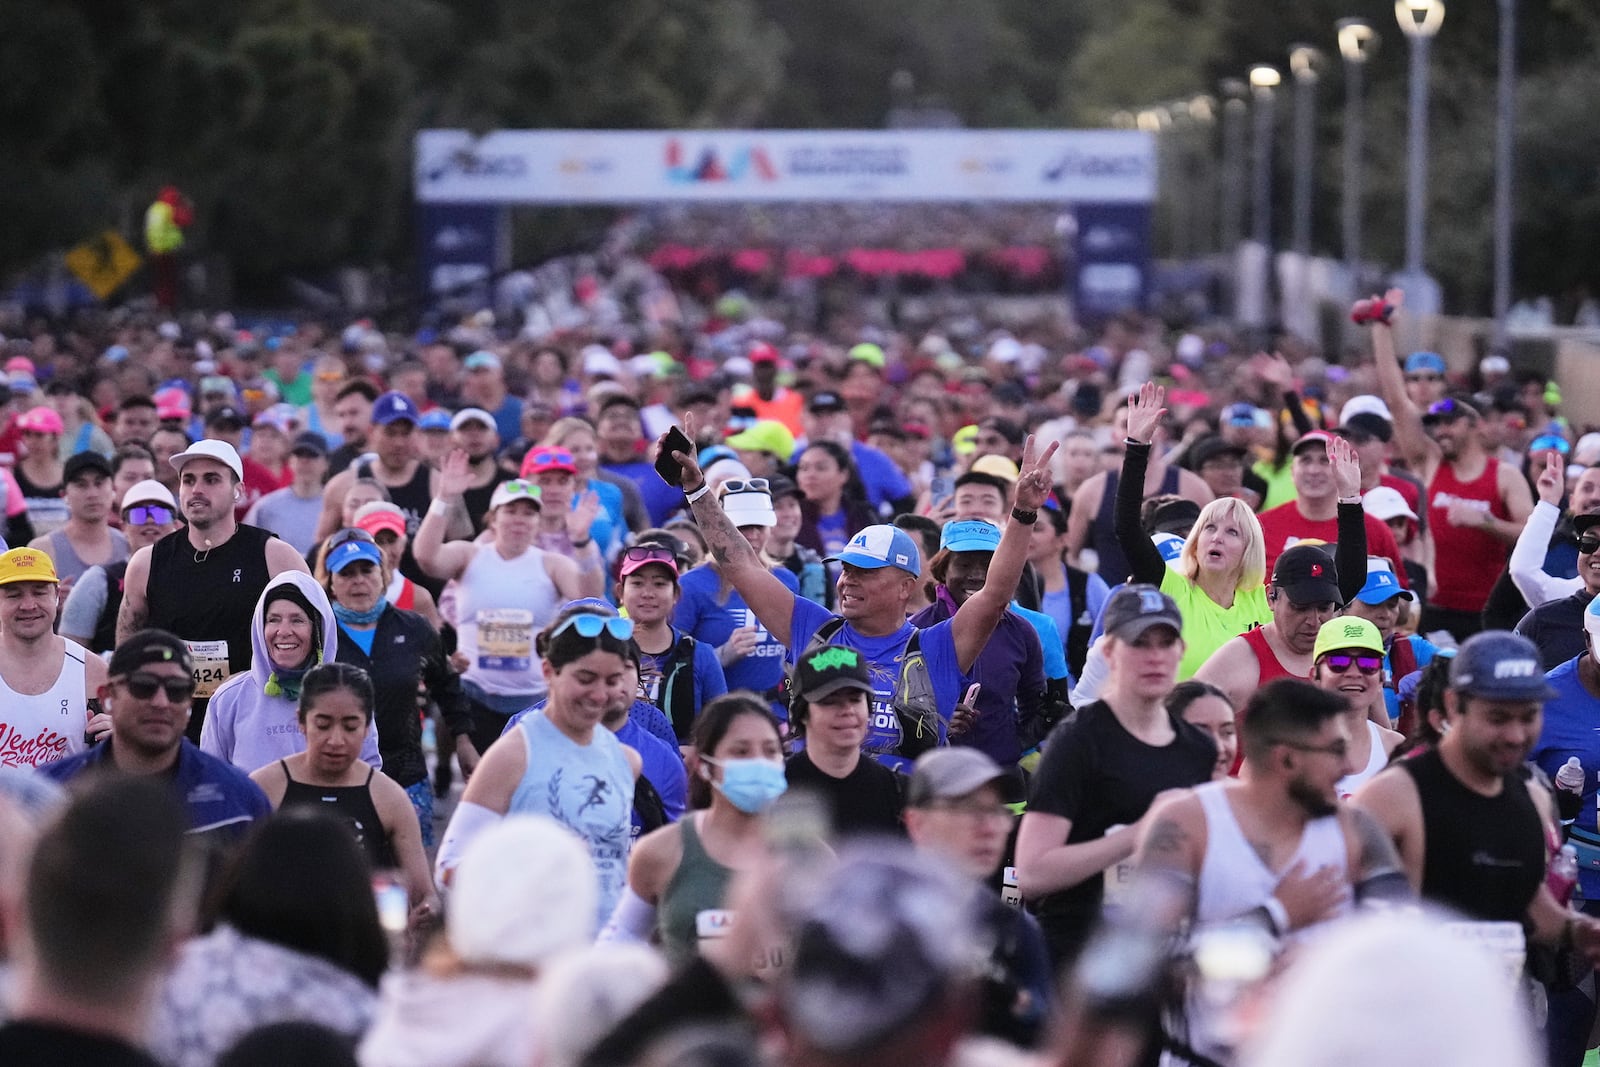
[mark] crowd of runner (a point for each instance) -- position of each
(867, 696)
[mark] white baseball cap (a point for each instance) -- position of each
(216, 451)
(1365, 404)
(1385, 502)
(466, 415)
(148, 491)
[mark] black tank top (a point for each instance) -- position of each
(413, 499)
(477, 500)
(1102, 533)
(351, 804)
(1484, 856)
(209, 596)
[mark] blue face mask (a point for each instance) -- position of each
(751, 785)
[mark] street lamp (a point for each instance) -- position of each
(1419, 21)
(1357, 41)
(1505, 146)
(1234, 110)
(1303, 60)
(1264, 81)
(1203, 188)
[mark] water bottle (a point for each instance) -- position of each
(1562, 878)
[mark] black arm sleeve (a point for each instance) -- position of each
(1297, 413)
(1350, 555)
(1144, 560)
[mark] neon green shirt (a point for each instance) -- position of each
(1207, 625)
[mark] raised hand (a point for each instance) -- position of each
(1274, 370)
(1145, 411)
(693, 477)
(581, 518)
(455, 474)
(1553, 479)
(1346, 467)
(1033, 479)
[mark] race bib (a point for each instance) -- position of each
(1118, 879)
(713, 924)
(505, 639)
(210, 666)
(1010, 888)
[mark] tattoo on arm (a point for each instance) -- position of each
(1166, 844)
(130, 620)
(1377, 855)
(727, 544)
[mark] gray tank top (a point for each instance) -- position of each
(69, 567)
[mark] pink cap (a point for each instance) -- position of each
(1314, 437)
(20, 363)
(40, 420)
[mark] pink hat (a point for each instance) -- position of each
(20, 363)
(40, 420)
(172, 404)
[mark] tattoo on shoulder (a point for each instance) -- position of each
(1376, 852)
(1166, 839)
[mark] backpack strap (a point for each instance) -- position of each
(677, 686)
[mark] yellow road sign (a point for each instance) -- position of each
(104, 263)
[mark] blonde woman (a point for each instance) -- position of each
(1219, 579)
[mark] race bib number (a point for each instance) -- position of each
(505, 639)
(210, 666)
(1118, 880)
(1010, 888)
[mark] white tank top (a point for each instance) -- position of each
(1377, 760)
(501, 604)
(1233, 880)
(48, 726)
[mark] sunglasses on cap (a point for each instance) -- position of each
(590, 626)
(1340, 662)
(349, 533)
(1448, 408)
(142, 685)
(140, 514)
(519, 488)
(745, 485)
(549, 456)
(643, 554)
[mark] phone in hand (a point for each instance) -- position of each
(671, 470)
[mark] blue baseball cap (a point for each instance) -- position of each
(392, 407)
(1549, 440)
(1381, 587)
(1170, 545)
(1240, 414)
(970, 535)
(437, 419)
(882, 545)
(351, 551)
(1425, 362)
(1500, 665)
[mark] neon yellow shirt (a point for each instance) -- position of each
(1207, 625)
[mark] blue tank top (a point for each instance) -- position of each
(586, 788)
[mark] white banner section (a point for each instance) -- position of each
(637, 166)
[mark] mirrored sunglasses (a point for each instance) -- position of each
(1340, 662)
(142, 514)
(590, 626)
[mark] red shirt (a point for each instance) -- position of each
(258, 482)
(1467, 561)
(1284, 527)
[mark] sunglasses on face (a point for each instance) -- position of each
(142, 685)
(1340, 662)
(1587, 545)
(148, 513)
(590, 626)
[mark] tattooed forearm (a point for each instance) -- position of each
(727, 544)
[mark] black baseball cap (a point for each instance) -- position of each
(1135, 608)
(825, 403)
(225, 416)
(1367, 426)
(1306, 575)
(780, 486)
(147, 647)
(1583, 523)
(309, 443)
(84, 462)
(1209, 448)
(830, 669)
(1176, 517)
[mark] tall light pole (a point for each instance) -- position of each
(1303, 61)
(1202, 116)
(1234, 112)
(1357, 41)
(1505, 146)
(1264, 81)
(1419, 21)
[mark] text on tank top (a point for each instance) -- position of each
(1377, 760)
(1467, 561)
(1233, 879)
(501, 604)
(586, 788)
(209, 599)
(39, 728)
(351, 805)
(1483, 856)
(1102, 535)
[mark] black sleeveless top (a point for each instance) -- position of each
(413, 499)
(352, 805)
(1483, 856)
(209, 596)
(1102, 535)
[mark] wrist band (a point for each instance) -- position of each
(1350, 500)
(440, 506)
(705, 487)
(1027, 518)
(1278, 915)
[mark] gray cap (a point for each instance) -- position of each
(1133, 609)
(948, 773)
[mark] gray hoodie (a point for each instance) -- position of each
(250, 729)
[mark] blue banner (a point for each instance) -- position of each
(460, 247)
(1112, 254)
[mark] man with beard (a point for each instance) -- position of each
(1304, 594)
(1477, 505)
(202, 582)
(1348, 660)
(1557, 626)
(1275, 846)
(473, 431)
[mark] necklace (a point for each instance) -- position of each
(202, 556)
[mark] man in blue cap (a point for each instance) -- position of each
(917, 674)
(1379, 603)
(1425, 379)
(1469, 832)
